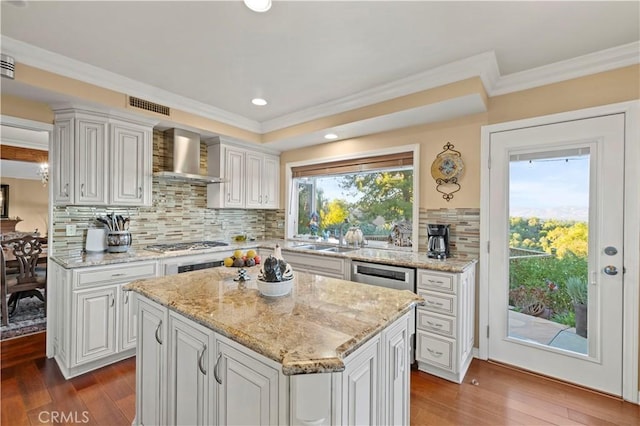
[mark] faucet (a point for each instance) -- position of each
(341, 237)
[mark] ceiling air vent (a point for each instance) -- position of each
(149, 106)
(7, 66)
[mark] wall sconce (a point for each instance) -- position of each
(44, 173)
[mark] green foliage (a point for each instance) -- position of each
(333, 213)
(551, 236)
(388, 194)
(566, 318)
(304, 207)
(577, 290)
(534, 272)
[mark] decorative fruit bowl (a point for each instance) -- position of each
(241, 260)
(276, 288)
(275, 278)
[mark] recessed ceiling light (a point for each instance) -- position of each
(331, 136)
(258, 101)
(258, 5)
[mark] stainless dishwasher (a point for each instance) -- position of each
(397, 277)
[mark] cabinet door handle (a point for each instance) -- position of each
(113, 301)
(66, 189)
(228, 196)
(260, 199)
(437, 354)
(215, 369)
(126, 297)
(157, 331)
(266, 199)
(200, 367)
(82, 190)
(139, 192)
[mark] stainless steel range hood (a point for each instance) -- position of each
(183, 158)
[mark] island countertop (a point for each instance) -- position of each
(311, 330)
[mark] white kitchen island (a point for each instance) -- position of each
(213, 351)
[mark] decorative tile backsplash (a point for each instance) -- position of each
(464, 231)
(178, 213)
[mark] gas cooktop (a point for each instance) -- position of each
(194, 245)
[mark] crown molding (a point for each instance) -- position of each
(65, 66)
(483, 65)
(23, 123)
(592, 63)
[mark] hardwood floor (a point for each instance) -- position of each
(33, 392)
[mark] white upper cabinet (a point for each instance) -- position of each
(91, 159)
(98, 159)
(131, 164)
(252, 179)
(62, 161)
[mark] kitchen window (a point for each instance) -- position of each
(374, 193)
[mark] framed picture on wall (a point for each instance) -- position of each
(4, 201)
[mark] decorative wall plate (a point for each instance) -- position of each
(447, 166)
(446, 169)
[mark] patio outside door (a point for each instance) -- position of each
(556, 232)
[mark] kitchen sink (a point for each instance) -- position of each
(324, 247)
(339, 249)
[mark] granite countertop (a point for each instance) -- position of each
(311, 330)
(389, 257)
(376, 255)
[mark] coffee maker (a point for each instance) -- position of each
(438, 241)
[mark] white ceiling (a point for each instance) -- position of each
(303, 54)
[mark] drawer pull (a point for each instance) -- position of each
(431, 324)
(117, 275)
(431, 302)
(436, 282)
(215, 369)
(436, 354)
(157, 331)
(200, 367)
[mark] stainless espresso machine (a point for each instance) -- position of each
(438, 241)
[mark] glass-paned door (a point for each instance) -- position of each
(549, 247)
(555, 261)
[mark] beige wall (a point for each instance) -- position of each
(464, 134)
(600, 89)
(28, 199)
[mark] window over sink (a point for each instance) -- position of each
(374, 194)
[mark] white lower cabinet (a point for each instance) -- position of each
(361, 387)
(188, 399)
(128, 320)
(188, 375)
(445, 324)
(151, 361)
(248, 388)
(94, 321)
(95, 316)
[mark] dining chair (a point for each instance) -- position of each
(21, 256)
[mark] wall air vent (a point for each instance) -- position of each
(149, 106)
(7, 66)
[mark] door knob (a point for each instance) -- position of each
(610, 270)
